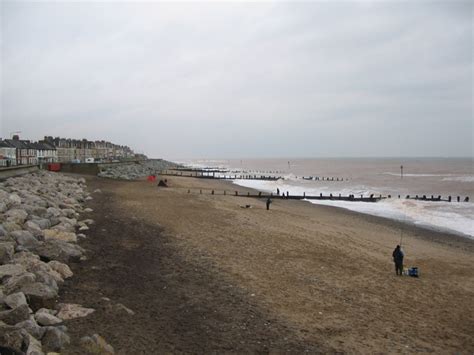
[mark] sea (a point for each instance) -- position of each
(365, 176)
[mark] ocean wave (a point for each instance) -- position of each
(416, 175)
(469, 178)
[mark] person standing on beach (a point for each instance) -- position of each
(268, 203)
(398, 260)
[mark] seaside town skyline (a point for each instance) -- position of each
(18, 151)
(312, 79)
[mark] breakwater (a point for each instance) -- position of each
(41, 217)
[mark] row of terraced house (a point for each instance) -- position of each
(18, 151)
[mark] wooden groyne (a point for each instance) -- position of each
(287, 196)
(201, 170)
(330, 197)
(436, 199)
(221, 174)
(212, 175)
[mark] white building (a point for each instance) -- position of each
(7, 155)
(46, 153)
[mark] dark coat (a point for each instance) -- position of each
(398, 255)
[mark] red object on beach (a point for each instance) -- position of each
(151, 178)
(54, 166)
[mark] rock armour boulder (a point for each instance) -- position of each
(71, 311)
(38, 221)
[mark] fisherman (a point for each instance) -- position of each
(278, 191)
(398, 260)
(268, 203)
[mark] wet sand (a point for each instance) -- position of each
(203, 274)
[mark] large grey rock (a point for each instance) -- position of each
(88, 221)
(16, 215)
(3, 231)
(11, 270)
(15, 283)
(8, 239)
(11, 226)
(67, 220)
(42, 270)
(34, 229)
(3, 207)
(54, 221)
(53, 212)
(61, 268)
(34, 346)
(71, 311)
(3, 194)
(45, 319)
(60, 251)
(25, 258)
(39, 295)
(69, 213)
(15, 300)
(47, 279)
(55, 339)
(32, 327)
(96, 345)
(16, 315)
(50, 234)
(46, 310)
(12, 339)
(40, 211)
(7, 250)
(14, 199)
(25, 239)
(43, 223)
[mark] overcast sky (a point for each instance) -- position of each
(239, 80)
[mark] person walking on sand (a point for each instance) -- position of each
(268, 203)
(398, 260)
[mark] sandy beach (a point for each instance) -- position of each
(202, 274)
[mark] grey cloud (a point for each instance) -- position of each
(243, 79)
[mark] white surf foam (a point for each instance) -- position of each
(469, 178)
(416, 175)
